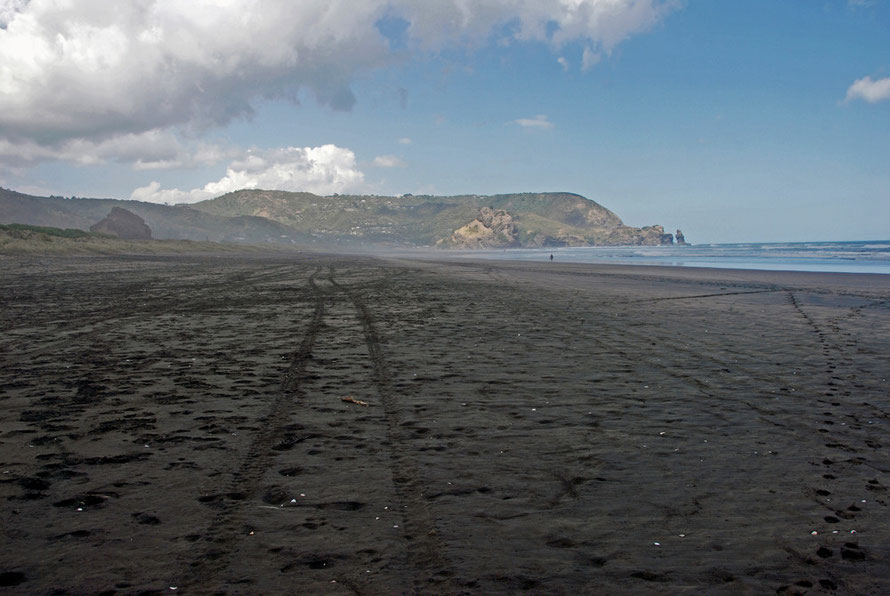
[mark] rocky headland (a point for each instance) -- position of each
(519, 220)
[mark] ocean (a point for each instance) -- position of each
(842, 257)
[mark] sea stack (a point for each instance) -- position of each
(681, 240)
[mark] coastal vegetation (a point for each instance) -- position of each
(527, 220)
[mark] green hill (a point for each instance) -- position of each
(532, 219)
(261, 216)
(21, 239)
(178, 222)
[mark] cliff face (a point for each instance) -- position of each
(497, 228)
(123, 224)
(493, 228)
(645, 236)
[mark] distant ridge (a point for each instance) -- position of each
(261, 216)
(24, 239)
(177, 222)
(463, 221)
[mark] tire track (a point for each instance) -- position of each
(433, 572)
(229, 524)
(95, 324)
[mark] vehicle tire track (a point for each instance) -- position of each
(433, 573)
(86, 328)
(229, 524)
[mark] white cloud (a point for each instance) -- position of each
(590, 58)
(90, 69)
(95, 71)
(539, 122)
(564, 63)
(9, 9)
(322, 170)
(404, 141)
(869, 90)
(387, 161)
(153, 193)
(605, 23)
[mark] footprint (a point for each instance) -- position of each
(342, 505)
(146, 519)
(86, 500)
(851, 552)
(876, 486)
(275, 495)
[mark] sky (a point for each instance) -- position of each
(755, 121)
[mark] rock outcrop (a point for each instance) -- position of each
(492, 228)
(561, 238)
(123, 224)
(497, 228)
(629, 236)
(681, 239)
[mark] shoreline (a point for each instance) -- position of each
(184, 422)
(753, 256)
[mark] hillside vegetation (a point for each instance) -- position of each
(20, 239)
(302, 219)
(533, 219)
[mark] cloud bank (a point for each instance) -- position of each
(92, 70)
(321, 170)
(141, 82)
(150, 150)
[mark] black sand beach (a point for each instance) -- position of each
(191, 425)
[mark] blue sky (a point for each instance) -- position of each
(764, 120)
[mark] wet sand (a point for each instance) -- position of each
(179, 424)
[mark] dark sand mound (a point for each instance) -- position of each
(181, 423)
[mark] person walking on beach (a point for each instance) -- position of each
(551, 258)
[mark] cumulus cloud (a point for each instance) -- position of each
(563, 62)
(404, 141)
(9, 9)
(539, 122)
(869, 90)
(388, 161)
(322, 170)
(92, 71)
